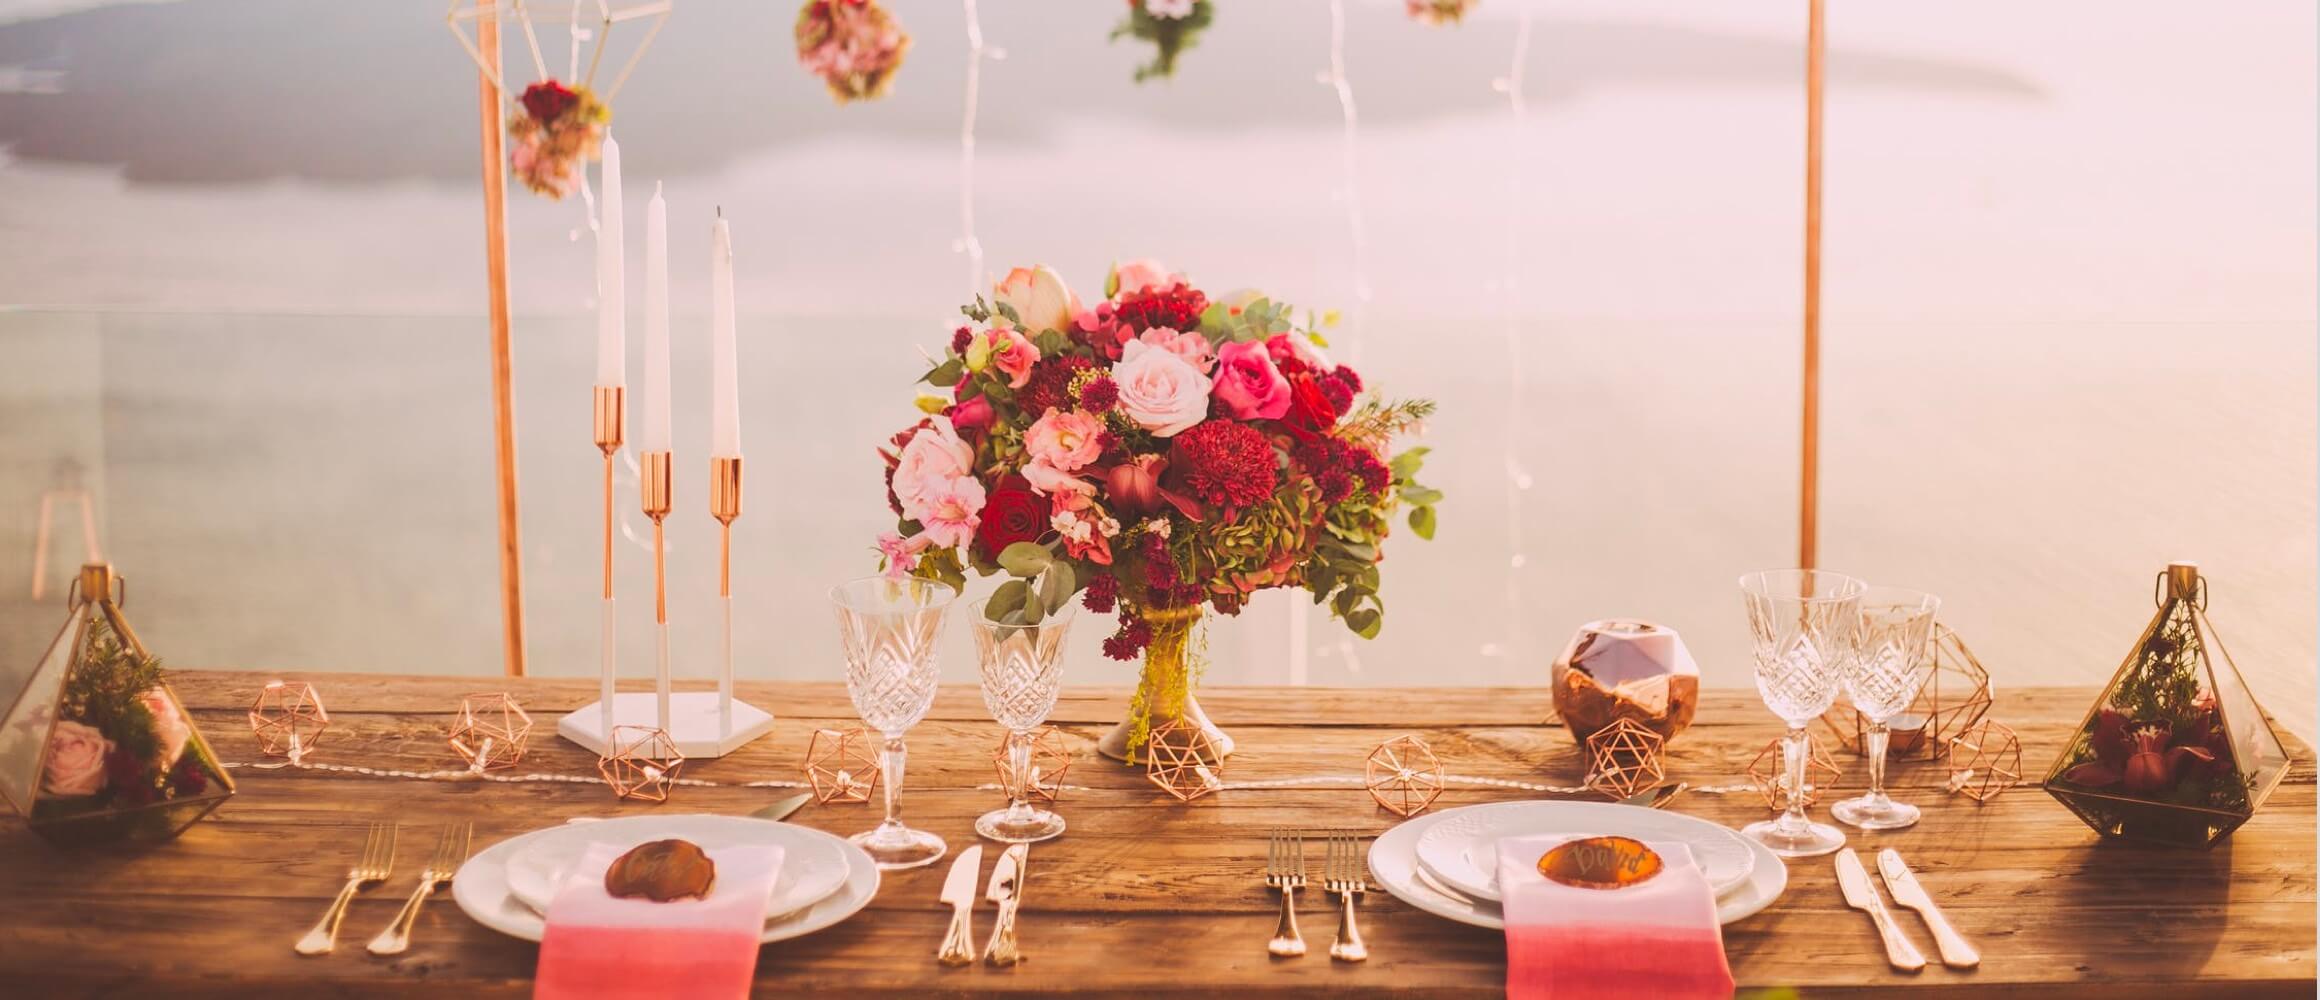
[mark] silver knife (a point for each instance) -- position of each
(1006, 889)
(1861, 894)
(958, 946)
(781, 810)
(1902, 882)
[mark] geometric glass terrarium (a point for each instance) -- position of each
(2176, 750)
(95, 748)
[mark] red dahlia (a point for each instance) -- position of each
(1225, 463)
(1050, 384)
(1177, 307)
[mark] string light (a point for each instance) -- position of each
(967, 243)
(1518, 478)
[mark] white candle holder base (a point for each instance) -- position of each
(693, 722)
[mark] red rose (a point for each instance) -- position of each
(1012, 514)
(547, 101)
(1310, 405)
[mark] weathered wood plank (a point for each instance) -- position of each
(1142, 896)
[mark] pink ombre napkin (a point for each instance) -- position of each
(602, 948)
(1656, 939)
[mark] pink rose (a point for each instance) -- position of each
(1301, 347)
(1189, 345)
(1066, 440)
(1248, 384)
(928, 464)
(1049, 480)
(76, 760)
(1039, 297)
(169, 728)
(953, 512)
(1160, 390)
(1014, 354)
(974, 414)
(1139, 274)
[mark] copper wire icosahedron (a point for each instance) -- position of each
(1050, 759)
(1177, 758)
(288, 719)
(1985, 761)
(1624, 758)
(492, 732)
(841, 765)
(1769, 772)
(643, 763)
(1403, 776)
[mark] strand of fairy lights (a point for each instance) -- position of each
(967, 243)
(1518, 479)
(1357, 235)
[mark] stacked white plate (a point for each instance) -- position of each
(823, 879)
(1446, 863)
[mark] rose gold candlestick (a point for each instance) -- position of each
(611, 404)
(657, 490)
(725, 505)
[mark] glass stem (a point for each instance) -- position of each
(1879, 738)
(1019, 767)
(890, 774)
(1794, 748)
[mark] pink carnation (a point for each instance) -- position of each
(954, 512)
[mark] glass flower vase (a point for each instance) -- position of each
(95, 748)
(2177, 750)
(1165, 689)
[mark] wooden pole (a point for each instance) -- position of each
(490, 105)
(1808, 502)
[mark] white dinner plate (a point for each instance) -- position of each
(813, 863)
(1393, 860)
(1460, 849)
(481, 889)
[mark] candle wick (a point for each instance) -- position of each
(720, 211)
(656, 189)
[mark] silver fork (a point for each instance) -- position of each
(1285, 870)
(378, 858)
(1343, 876)
(450, 851)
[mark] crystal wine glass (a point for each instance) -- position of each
(1892, 659)
(1801, 623)
(1022, 666)
(890, 627)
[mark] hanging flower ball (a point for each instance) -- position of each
(855, 46)
(559, 128)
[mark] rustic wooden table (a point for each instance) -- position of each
(1143, 895)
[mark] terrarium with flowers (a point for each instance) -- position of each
(95, 748)
(2176, 751)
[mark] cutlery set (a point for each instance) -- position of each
(376, 862)
(1005, 889)
(1861, 894)
(1343, 871)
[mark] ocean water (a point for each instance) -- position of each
(2069, 330)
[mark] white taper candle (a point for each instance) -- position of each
(611, 290)
(656, 324)
(724, 384)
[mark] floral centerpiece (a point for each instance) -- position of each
(120, 760)
(1155, 456)
(1169, 26)
(1438, 12)
(560, 126)
(855, 46)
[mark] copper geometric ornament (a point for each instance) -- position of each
(643, 763)
(1050, 758)
(1769, 772)
(1403, 776)
(288, 719)
(1985, 761)
(1178, 755)
(1954, 697)
(841, 765)
(1623, 759)
(492, 732)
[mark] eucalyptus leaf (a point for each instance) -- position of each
(1008, 599)
(1423, 496)
(1365, 622)
(1025, 559)
(1407, 463)
(1422, 522)
(947, 374)
(1056, 585)
(1008, 311)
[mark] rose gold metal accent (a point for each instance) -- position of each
(490, 105)
(611, 406)
(288, 719)
(1403, 776)
(1985, 761)
(1809, 485)
(1178, 758)
(725, 505)
(1624, 759)
(657, 491)
(643, 763)
(492, 732)
(842, 765)
(1953, 699)
(1770, 774)
(1050, 760)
